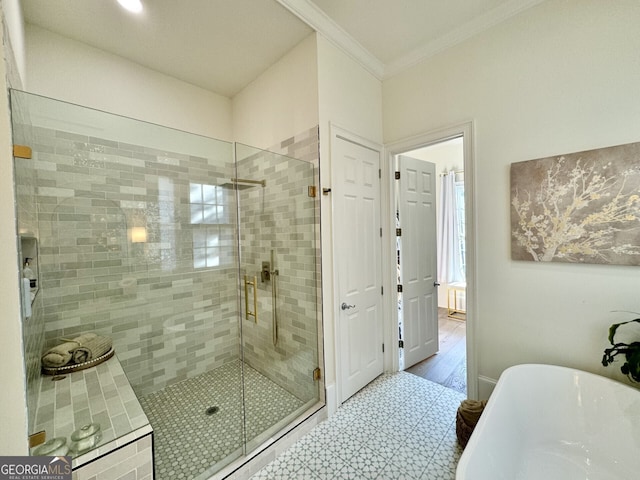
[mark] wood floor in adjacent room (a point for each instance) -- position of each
(448, 367)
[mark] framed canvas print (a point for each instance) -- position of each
(580, 208)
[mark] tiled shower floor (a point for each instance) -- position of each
(398, 427)
(188, 441)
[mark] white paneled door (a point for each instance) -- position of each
(417, 215)
(358, 263)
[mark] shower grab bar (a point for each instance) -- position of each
(254, 284)
(274, 305)
(274, 299)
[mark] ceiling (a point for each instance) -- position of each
(223, 45)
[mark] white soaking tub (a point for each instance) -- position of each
(545, 422)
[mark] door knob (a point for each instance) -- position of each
(344, 306)
(436, 284)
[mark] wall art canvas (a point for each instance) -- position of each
(579, 208)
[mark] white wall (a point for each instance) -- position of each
(14, 25)
(350, 97)
(281, 102)
(64, 69)
(446, 156)
(13, 414)
(561, 77)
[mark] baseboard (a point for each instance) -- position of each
(330, 399)
(485, 387)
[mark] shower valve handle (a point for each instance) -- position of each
(344, 306)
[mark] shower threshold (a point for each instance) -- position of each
(198, 425)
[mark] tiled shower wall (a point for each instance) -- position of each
(281, 217)
(33, 331)
(121, 254)
(138, 244)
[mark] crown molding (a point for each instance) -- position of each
(309, 13)
(459, 35)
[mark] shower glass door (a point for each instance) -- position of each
(136, 228)
(142, 234)
(278, 287)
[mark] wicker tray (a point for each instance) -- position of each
(78, 366)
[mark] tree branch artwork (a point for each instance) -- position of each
(581, 207)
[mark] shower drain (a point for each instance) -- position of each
(211, 410)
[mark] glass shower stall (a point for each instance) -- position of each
(199, 260)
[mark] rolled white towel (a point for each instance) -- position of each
(59, 356)
(81, 355)
(90, 346)
(82, 338)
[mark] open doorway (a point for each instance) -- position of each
(446, 363)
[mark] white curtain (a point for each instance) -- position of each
(449, 255)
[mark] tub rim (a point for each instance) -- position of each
(463, 463)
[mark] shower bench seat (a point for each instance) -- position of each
(103, 395)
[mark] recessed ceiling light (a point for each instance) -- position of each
(134, 6)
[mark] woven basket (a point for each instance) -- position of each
(467, 417)
(463, 431)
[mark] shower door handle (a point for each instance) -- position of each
(254, 284)
(274, 305)
(344, 306)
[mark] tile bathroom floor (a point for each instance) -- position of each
(190, 438)
(398, 427)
